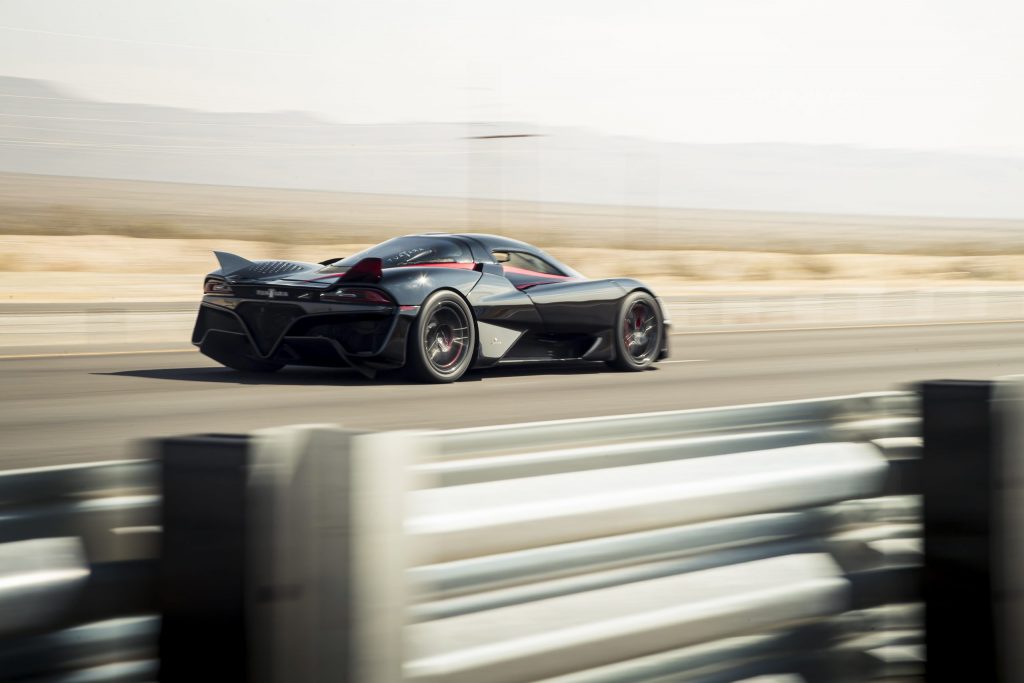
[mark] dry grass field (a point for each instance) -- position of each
(109, 239)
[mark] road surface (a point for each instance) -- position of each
(57, 410)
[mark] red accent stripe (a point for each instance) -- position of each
(458, 266)
(524, 271)
(467, 266)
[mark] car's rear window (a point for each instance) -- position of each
(526, 262)
(408, 251)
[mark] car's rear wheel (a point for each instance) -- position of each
(639, 334)
(243, 364)
(442, 340)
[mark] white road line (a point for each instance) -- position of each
(849, 327)
(693, 360)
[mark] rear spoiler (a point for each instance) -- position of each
(231, 263)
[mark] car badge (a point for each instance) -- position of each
(272, 293)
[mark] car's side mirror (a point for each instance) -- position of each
(501, 256)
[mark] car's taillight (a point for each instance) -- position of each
(354, 295)
(217, 287)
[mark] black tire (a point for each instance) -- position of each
(638, 333)
(442, 341)
(243, 364)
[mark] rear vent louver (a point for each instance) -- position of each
(266, 268)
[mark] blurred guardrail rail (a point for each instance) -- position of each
(673, 536)
(78, 554)
(717, 544)
(800, 541)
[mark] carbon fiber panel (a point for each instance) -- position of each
(268, 322)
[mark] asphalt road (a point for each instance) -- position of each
(57, 410)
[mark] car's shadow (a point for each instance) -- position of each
(298, 376)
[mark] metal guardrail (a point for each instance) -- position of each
(78, 553)
(714, 544)
(724, 498)
(486, 582)
(498, 517)
(582, 550)
(476, 454)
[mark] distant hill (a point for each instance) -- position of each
(46, 130)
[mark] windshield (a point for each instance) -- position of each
(408, 251)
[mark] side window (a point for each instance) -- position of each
(524, 261)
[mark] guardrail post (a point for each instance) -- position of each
(1009, 503)
(327, 510)
(203, 559)
(284, 556)
(960, 529)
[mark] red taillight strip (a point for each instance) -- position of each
(458, 266)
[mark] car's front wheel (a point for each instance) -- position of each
(638, 337)
(442, 340)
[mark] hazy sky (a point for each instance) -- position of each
(936, 74)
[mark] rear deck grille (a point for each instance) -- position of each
(266, 268)
(268, 322)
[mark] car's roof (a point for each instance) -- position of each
(497, 243)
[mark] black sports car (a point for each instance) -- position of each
(436, 304)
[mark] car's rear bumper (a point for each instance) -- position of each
(331, 335)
